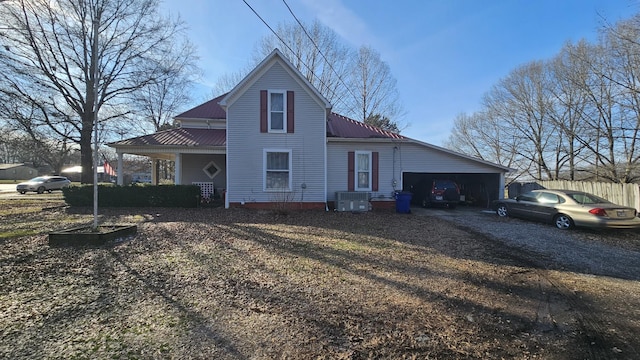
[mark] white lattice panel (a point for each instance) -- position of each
(206, 189)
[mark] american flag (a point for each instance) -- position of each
(108, 169)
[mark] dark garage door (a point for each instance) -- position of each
(475, 189)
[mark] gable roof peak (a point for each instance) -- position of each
(263, 66)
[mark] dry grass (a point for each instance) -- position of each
(233, 284)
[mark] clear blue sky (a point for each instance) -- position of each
(445, 54)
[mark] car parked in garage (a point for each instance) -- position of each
(567, 209)
(43, 183)
(440, 192)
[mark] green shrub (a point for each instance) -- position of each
(184, 196)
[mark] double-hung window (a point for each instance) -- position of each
(277, 170)
(277, 111)
(363, 170)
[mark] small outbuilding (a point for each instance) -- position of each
(17, 172)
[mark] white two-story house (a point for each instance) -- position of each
(273, 138)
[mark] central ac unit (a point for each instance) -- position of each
(352, 201)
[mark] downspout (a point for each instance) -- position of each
(326, 204)
(226, 156)
(326, 174)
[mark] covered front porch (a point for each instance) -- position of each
(199, 155)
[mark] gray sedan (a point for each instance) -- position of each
(568, 208)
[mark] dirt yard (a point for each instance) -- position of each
(234, 284)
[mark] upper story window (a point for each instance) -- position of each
(277, 111)
(363, 171)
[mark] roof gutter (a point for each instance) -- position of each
(367, 140)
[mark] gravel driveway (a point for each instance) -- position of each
(579, 250)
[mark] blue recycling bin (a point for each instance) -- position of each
(403, 202)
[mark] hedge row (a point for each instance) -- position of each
(185, 196)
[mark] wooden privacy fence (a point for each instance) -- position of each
(622, 194)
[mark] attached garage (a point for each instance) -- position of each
(475, 189)
(480, 182)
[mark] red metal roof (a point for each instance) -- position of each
(209, 110)
(179, 137)
(338, 126)
(343, 127)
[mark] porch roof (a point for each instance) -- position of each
(178, 137)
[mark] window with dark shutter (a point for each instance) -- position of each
(277, 111)
(263, 111)
(361, 166)
(374, 171)
(290, 112)
(351, 170)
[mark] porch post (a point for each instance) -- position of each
(178, 164)
(120, 170)
(154, 171)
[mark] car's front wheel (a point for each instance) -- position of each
(22, 192)
(41, 190)
(502, 210)
(563, 222)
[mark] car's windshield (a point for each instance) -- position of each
(444, 184)
(38, 179)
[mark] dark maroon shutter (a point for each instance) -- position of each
(263, 111)
(374, 171)
(290, 121)
(351, 170)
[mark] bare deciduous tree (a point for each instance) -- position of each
(375, 88)
(569, 105)
(160, 100)
(32, 141)
(574, 115)
(486, 137)
(600, 118)
(522, 101)
(358, 84)
(316, 52)
(226, 82)
(73, 59)
(623, 42)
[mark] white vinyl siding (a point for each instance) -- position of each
(277, 170)
(416, 158)
(394, 159)
(338, 174)
(246, 144)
